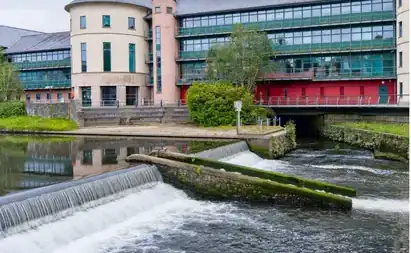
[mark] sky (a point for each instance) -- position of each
(39, 15)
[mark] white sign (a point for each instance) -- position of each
(237, 105)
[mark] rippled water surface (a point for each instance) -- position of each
(164, 219)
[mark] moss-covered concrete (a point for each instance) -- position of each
(273, 176)
(371, 140)
(389, 156)
(217, 184)
(277, 145)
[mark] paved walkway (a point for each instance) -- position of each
(175, 131)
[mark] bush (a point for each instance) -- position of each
(212, 104)
(12, 109)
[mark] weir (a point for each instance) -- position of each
(29, 206)
(224, 151)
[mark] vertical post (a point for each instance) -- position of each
(238, 122)
(237, 105)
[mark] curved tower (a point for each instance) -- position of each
(403, 47)
(108, 50)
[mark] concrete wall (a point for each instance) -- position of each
(49, 110)
(120, 36)
(403, 45)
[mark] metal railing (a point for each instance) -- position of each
(66, 63)
(46, 84)
(112, 103)
(292, 23)
(335, 101)
(310, 48)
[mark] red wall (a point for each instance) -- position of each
(313, 89)
(330, 88)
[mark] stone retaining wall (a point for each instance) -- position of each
(339, 118)
(51, 110)
(368, 139)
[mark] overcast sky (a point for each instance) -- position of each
(39, 15)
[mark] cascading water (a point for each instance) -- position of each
(29, 209)
(353, 168)
(224, 151)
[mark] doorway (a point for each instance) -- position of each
(131, 95)
(86, 96)
(383, 93)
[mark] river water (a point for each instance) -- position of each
(164, 219)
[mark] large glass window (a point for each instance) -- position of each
(83, 57)
(158, 60)
(107, 56)
(83, 23)
(106, 21)
(132, 57)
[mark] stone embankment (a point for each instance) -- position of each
(378, 142)
(214, 179)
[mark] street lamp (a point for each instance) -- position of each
(237, 105)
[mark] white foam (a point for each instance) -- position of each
(245, 158)
(136, 217)
(384, 205)
(355, 167)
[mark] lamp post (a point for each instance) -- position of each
(237, 105)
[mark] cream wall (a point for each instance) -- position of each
(119, 36)
(403, 45)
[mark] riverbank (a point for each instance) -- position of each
(36, 124)
(387, 140)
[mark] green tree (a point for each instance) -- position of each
(10, 86)
(212, 104)
(243, 60)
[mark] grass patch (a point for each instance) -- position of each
(388, 128)
(25, 123)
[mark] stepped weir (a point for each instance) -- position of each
(224, 151)
(28, 209)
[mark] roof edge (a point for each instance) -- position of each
(70, 5)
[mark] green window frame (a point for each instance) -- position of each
(132, 57)
(106, 56)
(106, 21)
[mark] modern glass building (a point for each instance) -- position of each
(130, 52)
(44, 64)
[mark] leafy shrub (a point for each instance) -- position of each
(12, 109)
(212, 104)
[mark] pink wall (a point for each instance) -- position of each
(169, 52)
(43, 94)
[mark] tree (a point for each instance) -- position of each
(10, 86)
(243, 60)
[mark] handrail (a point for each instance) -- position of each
(312, 101)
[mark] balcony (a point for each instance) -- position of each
(150, 81)
(189, 79)
(46, 84)
(66, 63)
(149, 58)
(350, 46)
(148, 35)
(293, 23)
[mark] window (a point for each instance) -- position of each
(341, 91)
(59, 96)
(27, 97)
(400, 29)
(83, 57)
(131, 23)
(285, 92)
(399, 3)
(400, 59)
(83, 23)
(132, 57)
(158, 9)
(38, 97)
(106, 21)
(107, 56)
(169, 10)
(158, 59)
(48, 96)
(322, 91)
(401, 89)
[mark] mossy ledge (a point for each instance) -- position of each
(371, 140)
(273, 176)
(217, 184)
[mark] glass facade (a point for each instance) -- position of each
(310, 15)
(158, 59)
(83, 57)
(307, 40)
(132, 57)
(106, 56)
(46, 79)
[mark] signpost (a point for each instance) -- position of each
(237, 105)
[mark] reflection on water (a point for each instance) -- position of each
(31, 162)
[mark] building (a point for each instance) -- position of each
(126, 52)
(403, 46)
(44, 64)
(10, 35)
